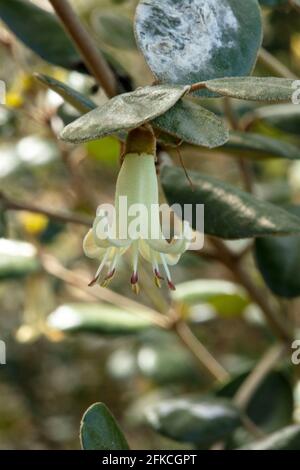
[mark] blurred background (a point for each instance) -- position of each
(61, 354)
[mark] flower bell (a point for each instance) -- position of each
(136, 193)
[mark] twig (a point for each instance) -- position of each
(200, 352)
(11, 204)
(274, 65)
(255, 378)
(91, 55)
(294, 5)
(53, 267)
(278, 326)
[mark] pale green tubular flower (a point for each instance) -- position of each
(137, 181)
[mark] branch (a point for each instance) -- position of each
(294, 5)
(274, 65)
(200, 352)
(278, 326)
(91, 55)
(11, 204)
(255, 378)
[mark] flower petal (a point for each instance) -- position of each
(91, 250)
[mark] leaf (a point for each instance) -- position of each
(278, 260)
(162, 358)
(71, 96)
(40, 31)
(96, 318)
(194, 420)
(226, 297)
(247, 144)
(285, 439)
(125, 111)
(115, 30)
(197, 40)
(273, 3)
(253, 88)
(285, 117)
(17, 259)
(229, 212)
(271, 406)
(192, 123)
(100, 431)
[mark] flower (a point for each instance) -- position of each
(108, 240)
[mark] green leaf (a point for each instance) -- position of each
(192, 123)
(225, 297)
(194, 41)
(162, 358)
(71, 96)
(286, 439)
(123, 112)
(229, 212)
(248, 144)
(17, 259)
(278, 260)
(273, 3)
(285, 117)
(40, 31)
(115, 30)
(100, 431)
(194, 420)
(253, 88)
(271, 406)
(97, 318)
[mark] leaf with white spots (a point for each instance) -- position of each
(126, 111)
(189, 41)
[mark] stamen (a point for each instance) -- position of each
(112, 269)
(101, 266)
(157, 276)
(166, 268)
(108, 278)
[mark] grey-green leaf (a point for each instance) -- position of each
(253, 88)
(278, 260)
(256, 146)
(192, 123)
(268, 410)
(123, 112)
(71, 96)
(194, 420)
(97, 318)
(285, 439)
(229, 212)
(41, 31)
(115, 30)
(100, 431)
(224, 296)
(197, 40)
(17, 259)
